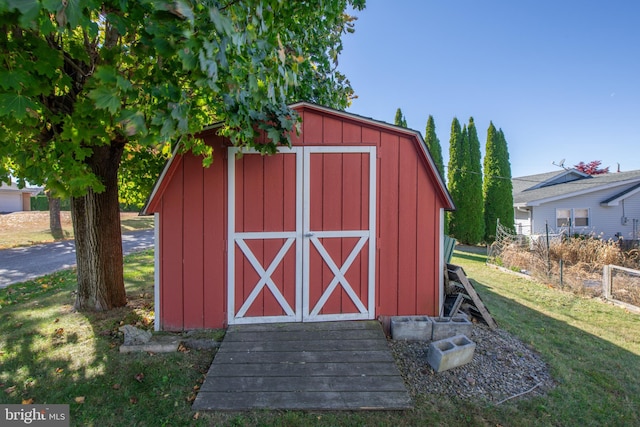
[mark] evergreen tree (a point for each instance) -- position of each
(475, 204)
(498, 189)
(433, 145)
(455, 173)
(400, 120)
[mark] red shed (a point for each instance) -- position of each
(345, 224)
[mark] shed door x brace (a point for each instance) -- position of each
(301, 237)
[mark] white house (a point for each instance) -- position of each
(570, 201)
(14, 199)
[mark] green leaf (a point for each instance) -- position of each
(133, 122)
(185, 10)
(180, 114)
(51, 5)
(16, 105)
(209, 66)
(105, 98)
(74, 12)
(28, 10)
(123, 84)
(106, 73)
(222, 23)
(12, 79)
(189, 60)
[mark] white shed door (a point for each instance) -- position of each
(301, 241)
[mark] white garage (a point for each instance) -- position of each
(14, 199)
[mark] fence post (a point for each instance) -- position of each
(606, 281)
(548, 250)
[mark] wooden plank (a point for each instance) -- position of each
(427, 247)
(171, 253)
(456, 305)
(193, 236)
(303, 335)
(317, 383)
(331, 131)
(310, 372)
(305, 357)
(302, 401)
(387, 284)
(302, 369)
(408, 224)
(449, 246)
(306, 345)
(215, 235)
(312, 326)
(459, 276)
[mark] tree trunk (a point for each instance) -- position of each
(96, 225)
(55, 225)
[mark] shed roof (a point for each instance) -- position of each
(299, 106)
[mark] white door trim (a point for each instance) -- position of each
(293, 239)
(300, 240)
(312, 236)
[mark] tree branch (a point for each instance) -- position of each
(520, 394)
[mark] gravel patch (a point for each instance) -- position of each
(503, 368)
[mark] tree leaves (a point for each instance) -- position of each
(106, 98)
(12, 80)
(183, 9)
(16, 106)
(133, 77)
(28, 9)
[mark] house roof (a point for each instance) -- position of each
(13, 188)
(345, 115)
(533, 190)
(615, 199)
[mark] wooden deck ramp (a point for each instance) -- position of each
(304, 366)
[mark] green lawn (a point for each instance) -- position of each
(49, 354)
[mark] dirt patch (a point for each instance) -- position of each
(31, 221)
(28, 228)
(39, 220)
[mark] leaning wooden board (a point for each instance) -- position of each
(456, 273)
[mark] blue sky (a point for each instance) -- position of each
(561, 78)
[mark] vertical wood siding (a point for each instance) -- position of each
(215, 240)
(192, 234)
(193, 224)
(171, 234)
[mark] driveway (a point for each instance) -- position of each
(27, 263)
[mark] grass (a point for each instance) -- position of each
(29, 228)
(50, 354)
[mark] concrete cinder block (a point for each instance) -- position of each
(411, 328)
(161, 344)
(450, 352)
(445, 327)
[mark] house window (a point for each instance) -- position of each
(581, 217)
(563, 217)
(578, 217)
